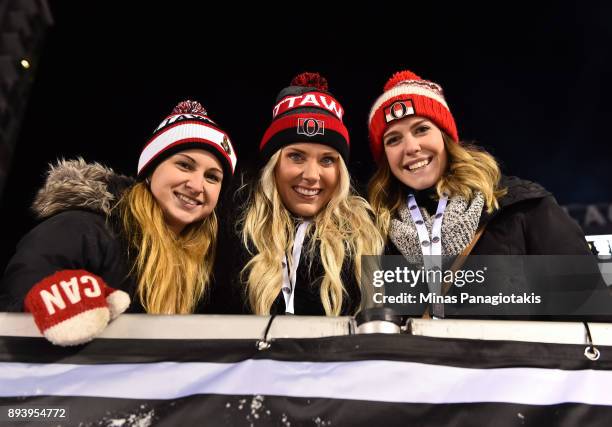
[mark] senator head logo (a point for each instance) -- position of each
(399, 110)
(310, 127)
(225, 145)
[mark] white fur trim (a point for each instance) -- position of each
(79, 329)
(404, 89)
(118, 302)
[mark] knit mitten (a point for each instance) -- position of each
(73, 306)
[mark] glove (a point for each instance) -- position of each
(72, 307)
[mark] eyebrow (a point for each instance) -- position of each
(216, 170)
(193, 161)
(189, 157)
(393, 132)
(418, 122)
(296, 149)
(412, 126)
(326, 153)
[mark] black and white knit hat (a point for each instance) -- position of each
(188, 126)
(306, 112)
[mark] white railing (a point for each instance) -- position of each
(252, 327)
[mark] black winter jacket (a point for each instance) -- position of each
(77, 231)
(530, 222)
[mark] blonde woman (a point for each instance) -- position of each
(107, 240)
(303, 228)
(433, 194)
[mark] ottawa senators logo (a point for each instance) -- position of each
(226, 146)
(310, 127)
(399, 110)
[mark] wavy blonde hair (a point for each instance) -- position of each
(470, 169)
(343, 228)
(173, 271)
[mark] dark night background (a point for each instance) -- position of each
(530, 83)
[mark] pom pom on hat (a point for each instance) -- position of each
(189, 107)
(314, 80)
(400, 76)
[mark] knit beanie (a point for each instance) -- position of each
(305, 112)
(405, 95)
(188, 126)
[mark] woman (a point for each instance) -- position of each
(435, 195)
(152, 240)
(303, 227)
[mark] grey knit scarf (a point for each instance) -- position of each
(458, 227)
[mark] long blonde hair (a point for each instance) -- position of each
(470, 169)
(343, 228)
(173, 271)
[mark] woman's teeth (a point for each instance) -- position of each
(419, 165)
(187, 200)
(306, 191)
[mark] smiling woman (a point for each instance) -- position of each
(424, 142)
(186, 187)
(306, 177)
(435, 195)
(303, 227)
(152, 239)
(422, 165)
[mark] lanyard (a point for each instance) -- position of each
(430, 245)
(289, 274)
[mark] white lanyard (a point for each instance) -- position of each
(289, 277)
(430, 244)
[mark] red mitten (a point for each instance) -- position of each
(73, 306)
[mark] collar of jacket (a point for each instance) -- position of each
(519, 190)
(76, 184)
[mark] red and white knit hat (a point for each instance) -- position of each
(188, 126)
(406, 94)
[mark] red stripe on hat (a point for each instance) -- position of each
(184, 141)
(288, 122)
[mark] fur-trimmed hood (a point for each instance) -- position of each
(76, 184)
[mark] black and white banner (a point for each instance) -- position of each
(359, 380)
